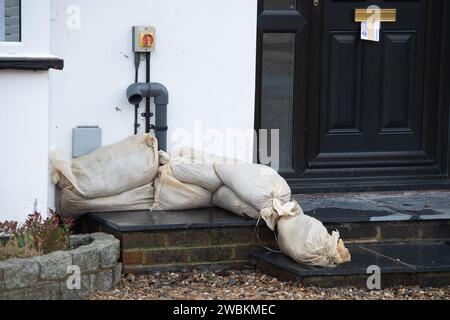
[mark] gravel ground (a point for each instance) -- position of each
(248, 285)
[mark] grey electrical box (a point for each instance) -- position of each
(144, 39)
(85, 140)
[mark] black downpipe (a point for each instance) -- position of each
(161, 101)
(147, 100)
(138, 91)
(137, 62)
(161, 125)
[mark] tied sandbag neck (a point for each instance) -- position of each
(326, 254)
(277, 211)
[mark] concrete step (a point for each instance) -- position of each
(214, 238)
(169, 241)
(400, 264)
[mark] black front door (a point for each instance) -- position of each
(353, 112)
(371, 92)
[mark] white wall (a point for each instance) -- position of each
(23, 143)
(24, 105)
(205, 56)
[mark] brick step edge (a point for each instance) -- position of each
(390, 280)
(392, 231)
(184, 267)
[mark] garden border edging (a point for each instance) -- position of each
(46, 277)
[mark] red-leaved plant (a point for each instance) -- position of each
(8, 227)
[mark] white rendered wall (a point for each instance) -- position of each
(23, 143)
(205, 56)
(24, 106)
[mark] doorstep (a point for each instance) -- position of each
(141, 221)
(328, 208)
(173, 241)
(214, 238)
(377, 206)
(400, 264)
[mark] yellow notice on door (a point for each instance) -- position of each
(370, 30)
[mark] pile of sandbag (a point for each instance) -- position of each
(188, 181)
(132, 175)
(118, 177)
(198, 180)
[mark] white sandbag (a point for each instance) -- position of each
(227, 199)
(307, 241)
(200, 157)
(255, 184)
(73, 205)
(164, 157)
(110, 170)
(202, 175)
(172, 194)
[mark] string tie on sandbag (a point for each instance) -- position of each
(259, 239)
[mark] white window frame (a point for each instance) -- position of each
(35, 31)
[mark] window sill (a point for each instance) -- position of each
(30, 62)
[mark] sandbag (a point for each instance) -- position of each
(255, 184)
(200, 157)
(110, 170)
(202, 175)
(172, 194)
(227, 199)
(306, 240)
(72, 205)
(164, 158)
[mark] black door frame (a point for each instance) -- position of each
(432, 173)
(291, 21)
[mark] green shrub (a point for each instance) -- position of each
(37, 236)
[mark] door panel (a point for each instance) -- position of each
(344, 84)
(398, 66)
(371, 93)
